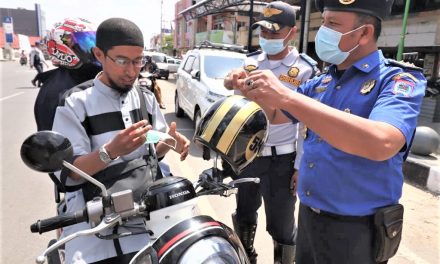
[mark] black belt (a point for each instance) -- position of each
(348, 218)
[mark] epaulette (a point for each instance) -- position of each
(254, 53)
(404, 65)
(312, 64)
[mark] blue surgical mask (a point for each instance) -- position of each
(272, 46)
(327, 45)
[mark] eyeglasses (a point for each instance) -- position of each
(124, 62)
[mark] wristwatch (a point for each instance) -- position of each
(104, 156)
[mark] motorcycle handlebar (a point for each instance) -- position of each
(49, 224)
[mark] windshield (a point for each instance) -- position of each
(218, 67)
(158, 58)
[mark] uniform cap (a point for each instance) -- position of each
(377, 8)
(276, 15)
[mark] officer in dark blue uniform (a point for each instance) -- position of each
(361, 117)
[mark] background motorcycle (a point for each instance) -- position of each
(179, 234)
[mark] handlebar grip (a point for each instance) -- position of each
(45, 225)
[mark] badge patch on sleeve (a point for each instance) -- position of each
(404, 88)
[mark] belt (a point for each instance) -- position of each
(277, 150)
(350, 218)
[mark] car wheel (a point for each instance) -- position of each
(197, 118)
(179, 111)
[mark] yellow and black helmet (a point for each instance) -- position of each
(235, 128)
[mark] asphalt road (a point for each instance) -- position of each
(27, 195)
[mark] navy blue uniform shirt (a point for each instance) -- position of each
(373, 88)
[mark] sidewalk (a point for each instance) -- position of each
(424, 171)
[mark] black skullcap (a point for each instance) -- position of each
(377, 8)
(276, 15)
(118, 32)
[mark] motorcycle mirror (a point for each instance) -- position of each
(45, 151)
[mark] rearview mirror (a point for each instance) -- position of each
(195, 74)
(45, 151)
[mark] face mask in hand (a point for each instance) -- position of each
(272, 46)
(327, 45)
(154, 136)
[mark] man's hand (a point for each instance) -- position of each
(264, 88)
(234, 79)
(129, 139)
(293, 181)
(182, 146)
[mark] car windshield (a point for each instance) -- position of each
(218, 67)
(158, 58)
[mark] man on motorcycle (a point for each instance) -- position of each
(103, 124)
(152, 68)
(69, 46)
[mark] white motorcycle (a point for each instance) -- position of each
(178, 232)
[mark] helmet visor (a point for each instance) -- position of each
(86, 40)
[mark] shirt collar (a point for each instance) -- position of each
(366, 64)
(289, 60)
(104, 88)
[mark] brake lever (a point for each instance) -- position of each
(107, 222)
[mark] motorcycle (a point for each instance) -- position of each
(178, 232)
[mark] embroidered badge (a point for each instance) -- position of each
(367, 86)
(286, 78)
(293, 72)
(326, 80)
(250, 68)
(268, 12)
(404, 88)
(320, 89)
(346, 2)
(404, 74)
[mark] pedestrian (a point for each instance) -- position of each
(152, 68)
(107, 134)
(275, 165)
(361, 117)
(37, 60)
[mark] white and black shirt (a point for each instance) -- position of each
(89, 119)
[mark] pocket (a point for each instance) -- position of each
(388, 223)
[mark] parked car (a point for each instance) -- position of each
(173, 64)
(200, 78)
(161, 60)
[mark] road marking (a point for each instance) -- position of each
(10, 96)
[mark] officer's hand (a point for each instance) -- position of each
(182, 143)
(293, 181)
(264, 88)
(129, 139)
(234, 79)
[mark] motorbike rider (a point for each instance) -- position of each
(151, 67)
(69, 46)
(99, 144)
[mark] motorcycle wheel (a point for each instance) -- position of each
(54, 256)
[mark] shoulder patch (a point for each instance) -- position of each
(254, 53)
(312, 64)
(404, 65)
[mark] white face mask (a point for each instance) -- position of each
(327, 45)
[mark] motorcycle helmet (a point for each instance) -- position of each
(235, 128)
(70, 43)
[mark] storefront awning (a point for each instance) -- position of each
(209, 7)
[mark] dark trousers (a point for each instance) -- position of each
(327, 239)
(39, 67)
(275, 174)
